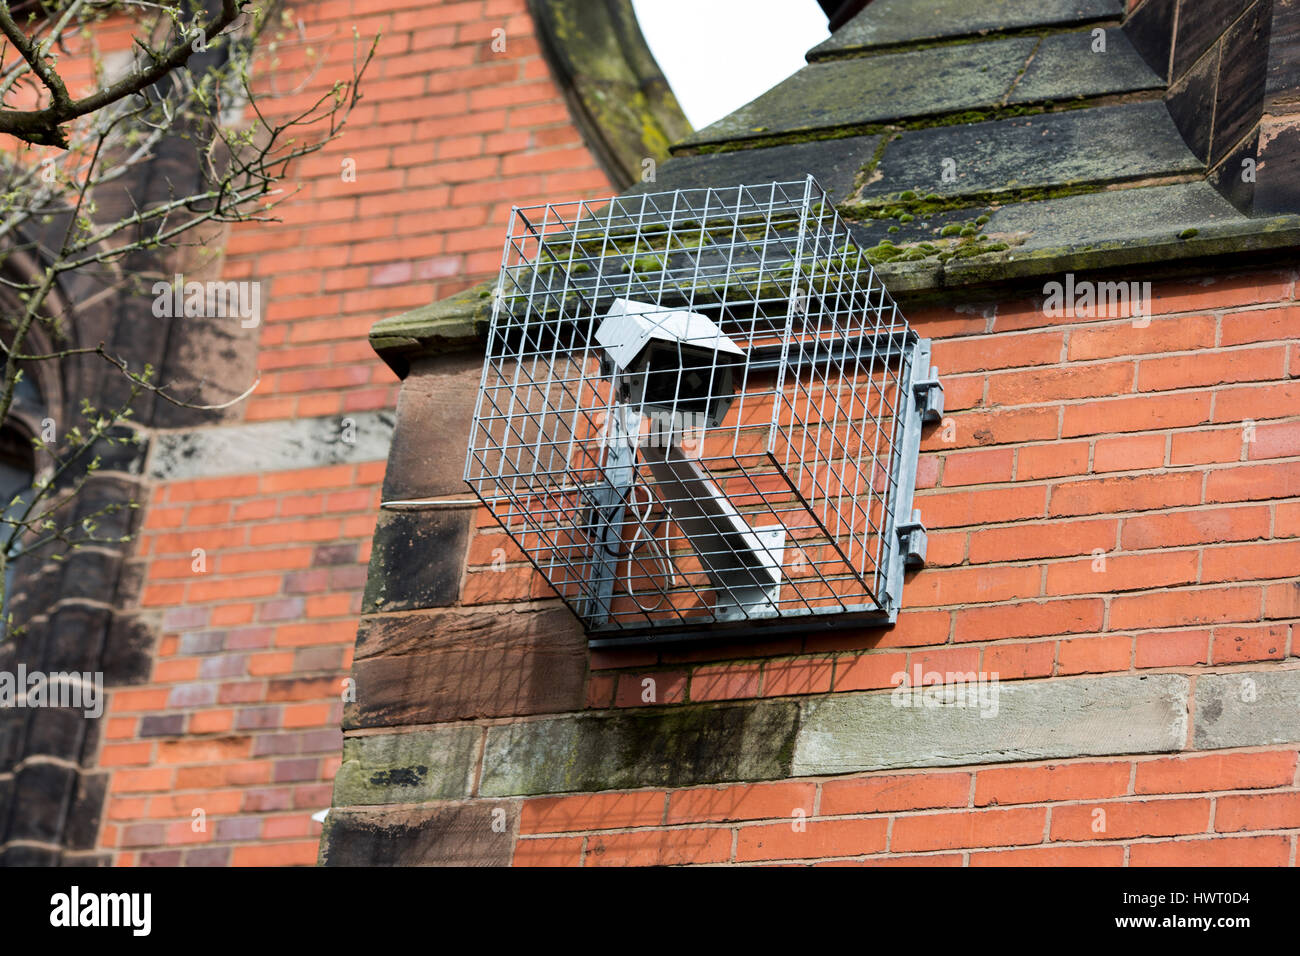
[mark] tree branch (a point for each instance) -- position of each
(43, 127)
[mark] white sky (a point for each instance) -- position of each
(720, 54)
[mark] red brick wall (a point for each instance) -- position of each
(241, 716)
(1172, 451)
(1026, 815)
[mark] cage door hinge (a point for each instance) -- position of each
(929, 396)
(911, 535)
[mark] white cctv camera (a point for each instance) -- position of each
(677, 364)
(669, 360)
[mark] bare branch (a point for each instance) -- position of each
(43, 127)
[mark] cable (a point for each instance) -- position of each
(662, 558)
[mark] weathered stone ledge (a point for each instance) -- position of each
(459, 323)
(776, 739)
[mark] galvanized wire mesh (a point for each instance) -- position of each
(722, 448)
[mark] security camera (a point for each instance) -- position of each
(675, 366)
(670, 361)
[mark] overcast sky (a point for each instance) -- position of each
(720, 54)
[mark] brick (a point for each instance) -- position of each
(997, 426)
(975, 828)
(1260, 642)
(1070, 382)
(945, 550)
(1026, 619)
(1000, 351)
(169, 671)
(1235, 771)
(1107, 574)
(803, 675)
(203, 751)
(134, 700)
(817, 838)
(1133, 453)
(1094, 655)
(963, 508)
(1287, 523)
(1220, 368)
(725, 682)
(884, 794)
(1054, 856)
(1221, 292)
(600, 690)
(1256, 402)
(915, 628)
(1171, 648)
(1230, 851)
(1156, 338)
(212, 722)
(914, 859)
(212, 489)
(760, 801)
(868, 671)
(1259, 325)
(1028, 541)
(1052, 460)
(1279, 440)
(667, 687)
(1125, 493)
(962, 392)
(1253, 482)
(1264, 811)
(599, 811)
(945, 322)
(927, 471)
(142, 781)
(659, 847)
(1010, 661)
(1127, 819)
(956, 586)
(1055, 782)
(1282, 600)
(1204, 526)
(143, 834)
(1184, 607)
(122, 755)
(947, 660)
(1141, 414)
(310, 715)
(1201, 447)
(562, 851)
(302, 853)
(226, 588)
(978, 467)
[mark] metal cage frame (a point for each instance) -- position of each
(664, 371)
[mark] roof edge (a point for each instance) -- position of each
(616, 93)
(459, 324)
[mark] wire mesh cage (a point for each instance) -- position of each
(700, 408)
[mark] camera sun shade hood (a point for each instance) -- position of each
(628, 327)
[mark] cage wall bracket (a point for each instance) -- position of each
(912, 541)
(906, 526)
(929, 393)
